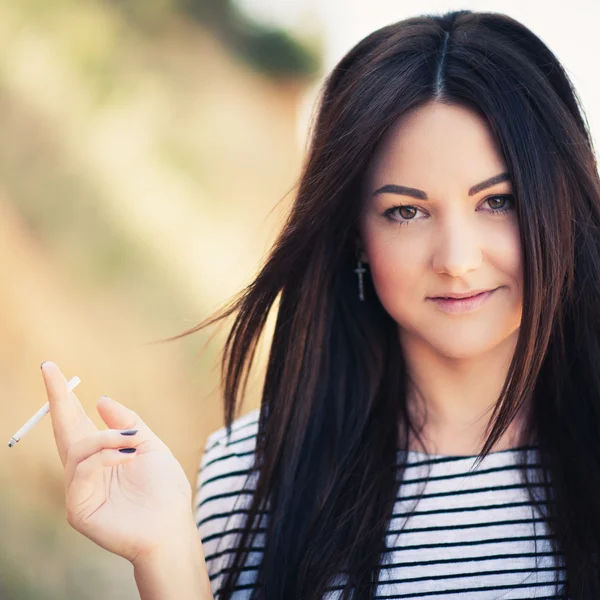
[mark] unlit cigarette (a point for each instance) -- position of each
(39, 415)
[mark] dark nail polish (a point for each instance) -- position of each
(127, 450)
(129, 432)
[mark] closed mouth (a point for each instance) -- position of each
(460, 297)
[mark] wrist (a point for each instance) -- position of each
(174, 569)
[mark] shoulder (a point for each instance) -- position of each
(226, 456)
(224, 471)
(224, 489)
(241, 441)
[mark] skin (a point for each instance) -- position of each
(137, 506)
(450, 242)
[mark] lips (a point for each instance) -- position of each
(464, 304)
(460, 296)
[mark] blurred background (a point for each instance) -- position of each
(149, 154)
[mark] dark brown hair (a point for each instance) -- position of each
(334, 390)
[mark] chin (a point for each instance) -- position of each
(458, 343)
(468, 344)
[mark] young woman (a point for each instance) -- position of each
(430, 419)
(407, 438)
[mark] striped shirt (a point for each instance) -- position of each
(471, 536)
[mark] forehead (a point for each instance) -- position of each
(437, 148)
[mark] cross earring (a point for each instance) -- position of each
(360, 270)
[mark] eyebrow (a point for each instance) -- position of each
(392, 188)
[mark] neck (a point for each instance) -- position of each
(450, 400)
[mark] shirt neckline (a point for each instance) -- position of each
(423, 456)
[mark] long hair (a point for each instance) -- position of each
(335, 386)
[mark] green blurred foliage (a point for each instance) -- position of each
(274, 52)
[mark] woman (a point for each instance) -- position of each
(412, 444)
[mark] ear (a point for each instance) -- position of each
(360, 250)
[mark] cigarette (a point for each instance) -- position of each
(39, 415)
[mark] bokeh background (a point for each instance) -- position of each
(149, 152)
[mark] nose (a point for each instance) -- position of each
(457, 247)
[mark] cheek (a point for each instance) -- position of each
(503, 253)
(397, 267)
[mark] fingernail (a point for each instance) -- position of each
(43, 364)
(129, 432)
(127, 450)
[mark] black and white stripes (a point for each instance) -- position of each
(472, 536)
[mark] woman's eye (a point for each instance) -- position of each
(500, 203)
(407, 212)
(401, 214)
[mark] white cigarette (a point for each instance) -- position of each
(39, 415)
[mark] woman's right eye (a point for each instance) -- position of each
(401, 214)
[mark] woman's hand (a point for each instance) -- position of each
(129, 504)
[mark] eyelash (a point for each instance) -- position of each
(497, 211)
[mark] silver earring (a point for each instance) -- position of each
(360, 270)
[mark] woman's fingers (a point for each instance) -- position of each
(69, 421)
(118, 416)
(83, 449)
(86, 483)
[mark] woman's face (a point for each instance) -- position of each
(431, 227)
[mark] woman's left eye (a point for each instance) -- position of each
(506, 203)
